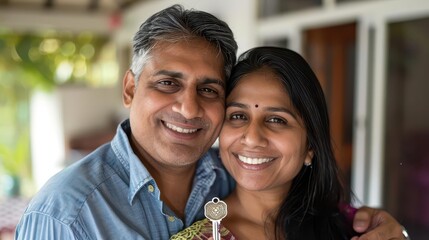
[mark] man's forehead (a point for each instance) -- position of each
(196, 57)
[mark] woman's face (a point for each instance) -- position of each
(263, 140)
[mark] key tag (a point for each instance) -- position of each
(215, 210)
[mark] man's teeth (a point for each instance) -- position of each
(249, 160)
(179, 129)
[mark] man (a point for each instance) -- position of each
(154, 177)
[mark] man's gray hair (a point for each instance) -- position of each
(175, 24)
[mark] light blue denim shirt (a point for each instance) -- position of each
(110, 195)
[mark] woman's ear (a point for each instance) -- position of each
(128, 88)
(309, 158)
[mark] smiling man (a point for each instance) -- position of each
(154, 177)
(176, 112)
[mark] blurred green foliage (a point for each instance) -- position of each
(43, 61)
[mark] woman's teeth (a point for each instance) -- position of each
(249, 160)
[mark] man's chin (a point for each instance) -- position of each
(179, 152)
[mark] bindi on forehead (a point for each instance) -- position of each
(256, 105)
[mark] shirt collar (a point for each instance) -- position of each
(209, 163)
(136, 171)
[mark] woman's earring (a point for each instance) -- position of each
(307, 164)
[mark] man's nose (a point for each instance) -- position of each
(188, 104)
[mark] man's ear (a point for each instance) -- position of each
(128, 88)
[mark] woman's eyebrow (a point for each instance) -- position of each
(281, 109)
(236, 104)
(268, 109)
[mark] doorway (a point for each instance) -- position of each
(331, 52)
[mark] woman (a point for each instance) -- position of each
(276, 144)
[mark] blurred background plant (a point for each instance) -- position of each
(39, 62)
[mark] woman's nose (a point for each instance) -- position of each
(254, 136)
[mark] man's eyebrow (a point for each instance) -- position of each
(169, 73)
(174, 74)
(213, 80)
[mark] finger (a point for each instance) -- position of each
(362, 219)
(381, 225)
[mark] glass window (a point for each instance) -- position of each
(274, 7)
(407, 126)
(278, 42)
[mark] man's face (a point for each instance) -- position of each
(177, 107)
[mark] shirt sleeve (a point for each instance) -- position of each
(38, 226)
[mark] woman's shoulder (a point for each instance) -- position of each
(202, 230)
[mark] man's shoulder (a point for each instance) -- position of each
(65, 193)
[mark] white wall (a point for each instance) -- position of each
(87, 109)
(56, 117)
(47, 137)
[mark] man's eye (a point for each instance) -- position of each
(209, 92)
(167, 86)
(167, 83)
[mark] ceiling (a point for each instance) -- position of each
(68, 5)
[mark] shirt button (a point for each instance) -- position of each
(150, 188)
(171, 218)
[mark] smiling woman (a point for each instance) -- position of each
(279, 152)
(264, 147)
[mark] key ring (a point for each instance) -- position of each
(405, 233)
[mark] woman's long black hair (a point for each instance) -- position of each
(310, 211)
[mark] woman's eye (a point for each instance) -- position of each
(277, 120)
(237, 117)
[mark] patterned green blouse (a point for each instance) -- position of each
(202, 230)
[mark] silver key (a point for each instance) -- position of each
(215, 210)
